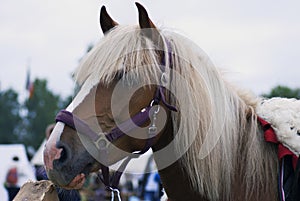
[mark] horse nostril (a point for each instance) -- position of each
(65, 153)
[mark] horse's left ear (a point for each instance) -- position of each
(106, 22)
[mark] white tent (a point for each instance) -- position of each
(7, 152)
(137, 165)
(38, 158)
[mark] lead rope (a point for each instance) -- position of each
(152, 131)
(112, 185)
(281, 175)
(113, 190)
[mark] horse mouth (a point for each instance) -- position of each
(88, 169)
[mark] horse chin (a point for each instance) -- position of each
(64, 177)
(60, 179)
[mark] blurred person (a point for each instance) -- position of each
(12, 177)
(152, 189)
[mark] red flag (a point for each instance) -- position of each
(29, 85)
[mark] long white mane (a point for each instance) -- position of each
(219, 136)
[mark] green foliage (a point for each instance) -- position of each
(9, 118)
(41, 109)
(283, 91)
(26, 123)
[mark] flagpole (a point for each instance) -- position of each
(29, 84)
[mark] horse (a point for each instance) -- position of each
(147, 87)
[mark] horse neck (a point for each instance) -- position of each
(176, 184)
(174, 179)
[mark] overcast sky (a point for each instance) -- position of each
(256, 42)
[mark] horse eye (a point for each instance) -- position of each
(119, 75)
(292, 128)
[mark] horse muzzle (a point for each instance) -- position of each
(55, 156)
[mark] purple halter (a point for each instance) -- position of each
(136, 121)
(139, 119)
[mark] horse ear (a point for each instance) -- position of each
(148, 27)
(144, 20)
(106, 22)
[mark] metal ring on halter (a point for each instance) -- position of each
(152, 103)
(158, 107)
(102, 142)
(163, 79)
(157, 110)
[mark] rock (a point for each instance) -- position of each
(37, 191)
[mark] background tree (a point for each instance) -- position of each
(40, 109)
(10, 116)
(26, 122)
(283, 91)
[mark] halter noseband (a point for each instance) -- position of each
(136, 121)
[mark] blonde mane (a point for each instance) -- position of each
(219, 136)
